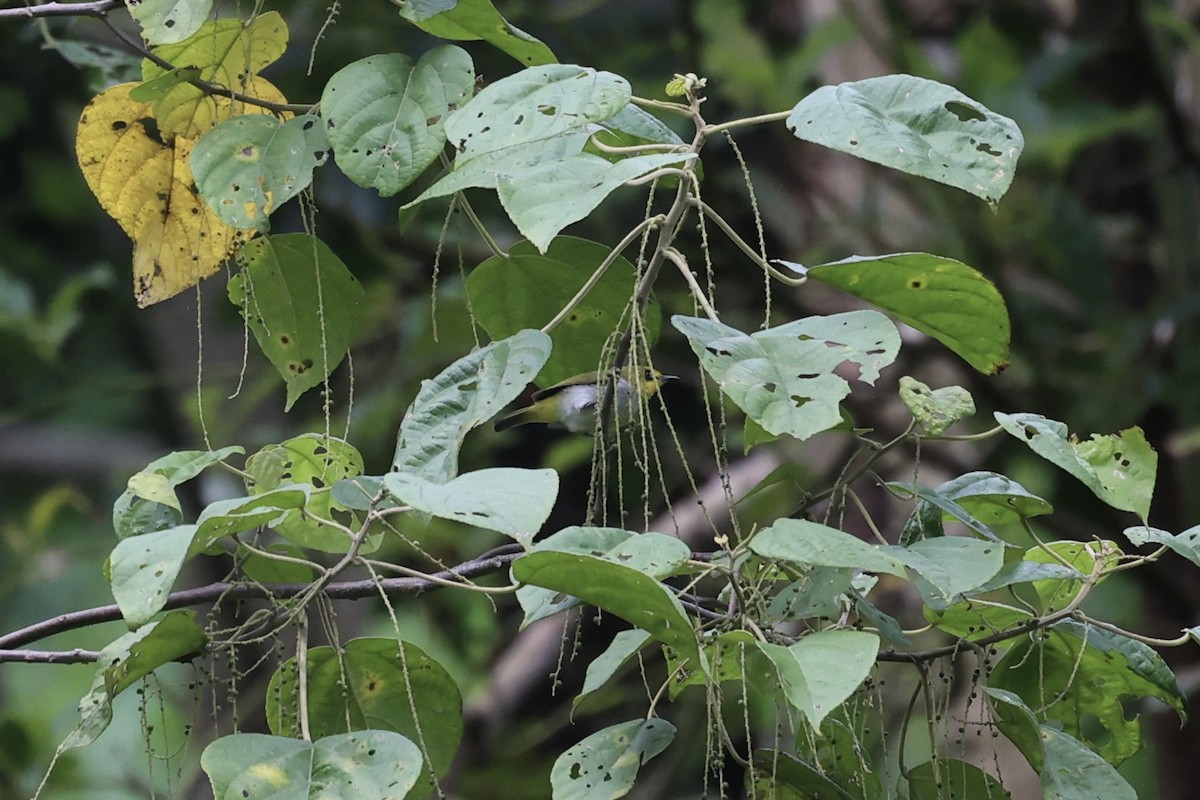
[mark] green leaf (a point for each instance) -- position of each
(156, 89)
(885, 624)
(622, 648)
(544, 199)
(1069, 770)
(993, 499)
(1186, 544)
(133, 515)
(127, 660)
(632, 595)
(654, 554)
(1119, 468)
(473, 20)
(917, 126)
(952, 565)
(320, 462)
(605, 765)
(302, 304)
(169, 21)
(950, 508)
(950, 777)
(780, 776)
(1051, 594)
(468, 392)
(385, 116)
(143, 569)
(633, 125)
(367, 765)
(802, 542)
(155, 487)
(935, 410)
(528, 118)
(249, 166)
(973, 620)
(239, 514)
(375, 684)
(526, 290)
(1078, 676)
(784, 378)
(265, 569)
(938, 296)
(175, 637)
(820, 593)
(925, 522)
(819, 672)
(512, 501)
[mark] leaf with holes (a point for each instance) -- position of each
(512, 501)
(1186, 544)
(784, 378)
(373, 683)
(526, 289)
(473, 20)
(366, 765)
(133, 514)
(249, 166)
(529, 118)
(385, 115)
(142, 570)
(320, 462)
(469, 392)
(605, 765)
(935, 410)
(1119, 468)
(302, 304)
(142, 179)
(938, 296)
(917, 126)
(227, 52)
(169, 21)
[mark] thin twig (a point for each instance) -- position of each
(676, 258)
(97, 8)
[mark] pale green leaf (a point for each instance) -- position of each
(385, 115)
(365, 765)
(803, 542)
(473, 20)
(302, 304)
(544, 199)
(133, 516)
(604, 766)
(169, 21)
(938, 296)
(953, 565)
(819, 672)
(1186, 544)
(1119, 468)
(622, 648)
(539, 603)
(935, 410)
(155, 487)
(784, 378)
(917, 126)
(239, 514)
(468, 392)
(993, 499)
(950, 777)
(249, 166)
(142, 570)
(512, 501)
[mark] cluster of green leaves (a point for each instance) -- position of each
(793, 626)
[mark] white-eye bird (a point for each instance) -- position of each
(571, 405)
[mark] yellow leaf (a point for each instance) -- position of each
(142, 179)
(227, 52)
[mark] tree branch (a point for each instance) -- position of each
(491, 561)
(97, 8)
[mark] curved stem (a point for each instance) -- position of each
(676, 258)
(1178, 641)
(750, 252)
(591, 282)
(738, 123)
(477, 223)
(636, 148)
(678, 108)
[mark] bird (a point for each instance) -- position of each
(571, 404)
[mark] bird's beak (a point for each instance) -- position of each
(666, 378)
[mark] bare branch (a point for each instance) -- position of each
(491, 561)
(97, 8)
(75, 656)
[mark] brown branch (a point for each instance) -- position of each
(491, 561)
(97, 8)
(75, 656)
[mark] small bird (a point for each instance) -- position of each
(571, 405)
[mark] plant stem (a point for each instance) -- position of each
(738, 123)
(676, 258)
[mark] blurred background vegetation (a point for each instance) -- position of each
(1095, 249)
